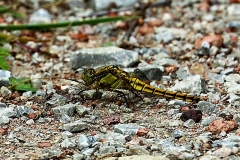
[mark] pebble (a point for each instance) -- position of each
(206, 121)
(107, 149)
(82, 110)
(66, 134)
(222, 152)
(40, 16)
(75, 126)
(102, 56)
(137, 150)
(177, 134)
(24, 110)
(36, 80)
(183, 72)
(4, 77)
(67, 109)
(127, 129)
(67, 143)
(192, 84)
(5, 92)
(189, 123)
(30, 122)
(85, 141)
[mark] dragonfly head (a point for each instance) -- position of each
(87, 75)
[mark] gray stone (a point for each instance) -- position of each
(66, 134)
(85, 141)
(164, 36)
(152, 74)
(56, 152)
(30, 122)
(4, 119)
(40, 16)
(192, 84)
(8, 112)
(206, 121)
(208, 157)
(4, 78)
(57, 100)
(64, 118)
(107, 149)
(207, 107)
(104, 4)
(78, 156)
(41, 120)
(27, 94)
(111, 137)
(137, 150)
(88, 151)
(177, 133)
(172, 112)
(189, 123)
(103, 56)
(233, 77)
(67, 143)
(24, 110)
(5, 92)
(75, 126)
(166, 62)
(67, 109)
(127, 129)
(82, 110)
(36, 80)
(183, 72)
(2, 105)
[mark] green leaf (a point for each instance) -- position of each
(21, 84)
(3, 62)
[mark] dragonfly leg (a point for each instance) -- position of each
(124, 96)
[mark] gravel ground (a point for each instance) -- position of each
(185, 46)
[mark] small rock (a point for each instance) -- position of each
(30, 122)
(220, 125)
(4, 78)
(85, 141)
(67, 109)
(67, 143)
(207, 108)
(222, 152)
(36, 80)
(5, 92)
(66, 134)
(24, 110)
(107, 149)
(78, 157)
(193, 114)
(82, 110)
(192, 84)
(27, 94)
(127, 129)
(213, 40)
(189, 123)
(137, 150)
(206, 121)
(104, 4)
(178, 134)
(40, 16)
(183, 72)
(103, 56)
(208, 157)
(166, 37)
(75, 126)
(4, 119)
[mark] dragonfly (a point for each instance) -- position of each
(113, 77)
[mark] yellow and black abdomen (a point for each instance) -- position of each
(139, 85)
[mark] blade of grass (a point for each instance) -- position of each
(65, 24)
